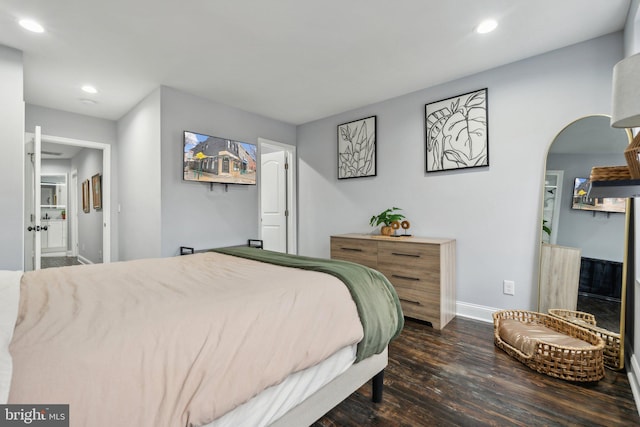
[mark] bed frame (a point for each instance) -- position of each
(323, 400)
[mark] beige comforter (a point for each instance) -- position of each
(171, 342)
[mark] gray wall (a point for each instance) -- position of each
(70, 125)
(139, 180)
(88, 162)
(192, 214)
(12, 160)
(494, 213)
(599, 236)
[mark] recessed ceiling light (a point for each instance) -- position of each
(486, 26)
(31, 25)
(89, 89)
(88, 101)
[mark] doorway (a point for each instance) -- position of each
(33, 251)
(277, 196)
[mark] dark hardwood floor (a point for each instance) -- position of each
(58, 261)
(457, 377)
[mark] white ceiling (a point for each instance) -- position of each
(290, 60)
(53, 151)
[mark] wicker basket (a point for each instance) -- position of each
(631, 154)
(609, 173)
(567, 363)
(612, 348)
(580, 317)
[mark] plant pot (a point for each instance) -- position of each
(386, 230)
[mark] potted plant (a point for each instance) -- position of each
(63, 214)
(545, 228)
(387, 217)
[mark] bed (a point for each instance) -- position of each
(236, 336)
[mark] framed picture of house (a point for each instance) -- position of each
(457, 132)
(96, 190)
(357, 148)
(85, 196)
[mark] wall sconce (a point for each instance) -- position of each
(626, 106)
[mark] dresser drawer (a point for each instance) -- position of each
(408, 279)
(419, 303)
(418, 310)
(408, 251)
(410, 265)
(363, 252)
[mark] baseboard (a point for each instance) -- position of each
(83, 260)
(52, 254)
(475, 311)
(633, 373)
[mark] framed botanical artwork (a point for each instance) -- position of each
(357, 148)
(457, 132)
(85, 196)
(96, 190)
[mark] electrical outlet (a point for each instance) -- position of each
(509, 287)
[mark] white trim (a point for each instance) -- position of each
(37, 204)
(73, 213)
(474, 311)
(292, 203)
(83, 260)
(633, 373)
(53, 254)
(106, 184)
(632, 364)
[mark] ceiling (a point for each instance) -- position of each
(290, 60)
(53, 151)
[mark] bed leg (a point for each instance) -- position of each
(377, 386)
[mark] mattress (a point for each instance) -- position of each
(275, 401)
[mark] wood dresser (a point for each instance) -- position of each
(422, 270)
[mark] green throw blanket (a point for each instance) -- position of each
(376, 299)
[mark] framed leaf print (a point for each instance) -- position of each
(457, 132)
(357, 148)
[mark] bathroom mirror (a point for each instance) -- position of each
(583, 241)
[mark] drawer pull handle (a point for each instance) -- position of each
(410, 301)
(409, 255)
(415, 279)
(352, 249)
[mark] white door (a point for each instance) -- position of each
(552, 203)
(273, 200)
(33, 242)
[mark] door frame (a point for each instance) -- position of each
(73, 212)
(32, 243)
(290, 154)
(106, 183)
